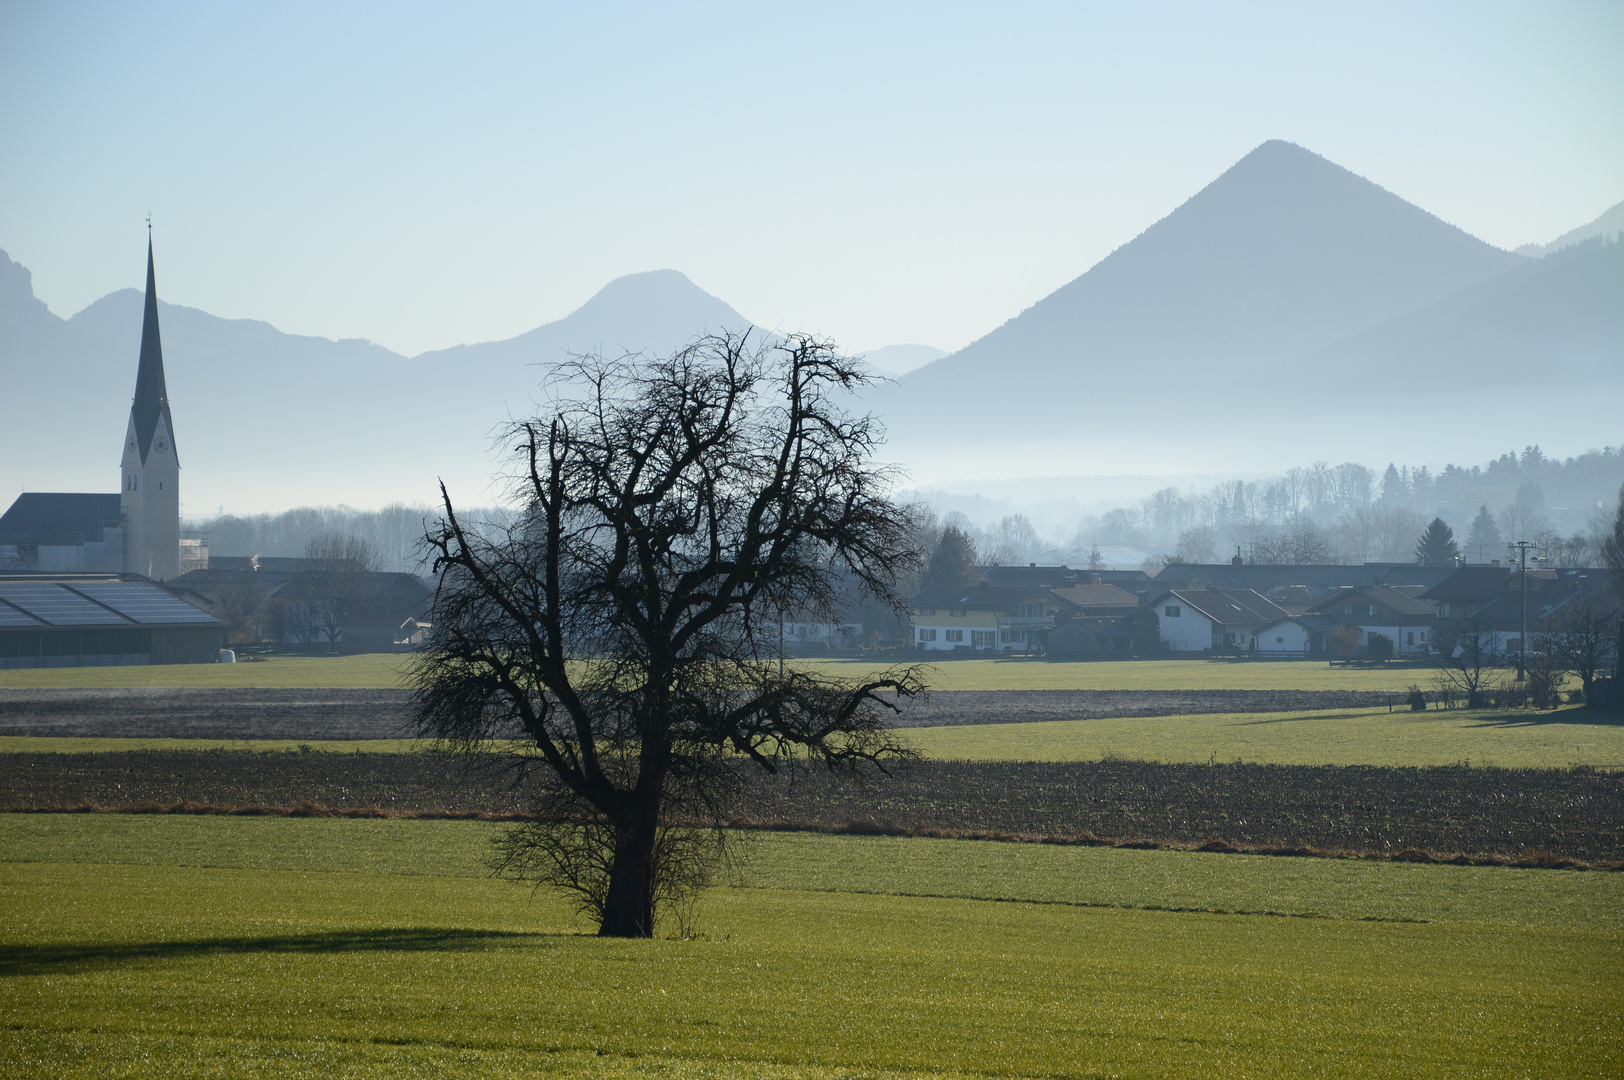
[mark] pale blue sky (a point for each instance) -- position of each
(881, 173)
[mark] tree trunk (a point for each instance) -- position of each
(628, 909)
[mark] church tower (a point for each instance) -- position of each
(150, 498)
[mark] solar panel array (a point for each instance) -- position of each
(11, 617)
(51, 603)
(143, 603)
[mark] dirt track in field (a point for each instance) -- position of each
(156, 713)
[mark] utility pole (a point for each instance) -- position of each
(1522, 651)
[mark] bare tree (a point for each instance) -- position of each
(672, 507)
(1466, 660)
(1581, 635)
(240, 602)
(1197, 545)
(1612, 556)
(340, 579)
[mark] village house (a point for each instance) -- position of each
(984, 618)
(1202, 621)
(1381, 609)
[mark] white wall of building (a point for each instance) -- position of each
(1186, 631)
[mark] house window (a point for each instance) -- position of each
(983, 639)
(1279, 641)
(955, 635)
(1411, 638)
(1014, 637)
(1347, 609)
(1372, 610)
(958, 613)
(1171, 611)
(927, 633)
(927, 611)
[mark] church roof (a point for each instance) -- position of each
(151, 395)
(58, 516)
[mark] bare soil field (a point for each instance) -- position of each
(167, 713)
(1569, 813)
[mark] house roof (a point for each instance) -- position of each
(1318, 624)
(94, 603)
(1085, 596)
(1317, 578)
(1229, 607)
(1392, 599)
(1054, 576)
(979, 597)
(1484, 583)
(60, 516)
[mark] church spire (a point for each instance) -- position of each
(151, 396)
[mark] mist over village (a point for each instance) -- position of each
(720, 541)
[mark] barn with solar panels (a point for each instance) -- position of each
(91, 621)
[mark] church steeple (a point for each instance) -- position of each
(151, 396)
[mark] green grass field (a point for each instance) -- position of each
(385, 671)
(1509, 739)
(1487, 737)
(167, 946)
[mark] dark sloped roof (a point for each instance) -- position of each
(151, 395)
(58, 515)
(1054, 576)
(1487, 582)
(1393, 599)
(1230, 607)
(1097, 596)
(980, 597)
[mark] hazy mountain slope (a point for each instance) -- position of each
(1283, 253)
(1608, 225)
(269, 420)
(653, 311)
(1555, 326)
(894, 360)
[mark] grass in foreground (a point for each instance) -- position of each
(386, 671)
(295, 969)
(1521, 739)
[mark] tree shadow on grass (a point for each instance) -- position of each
(1585, 716)
(1364, 715)
(60, 959)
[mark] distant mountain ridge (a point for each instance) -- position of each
(1608, 226)
(290, 416)
(1234, 325)
(1289, 310)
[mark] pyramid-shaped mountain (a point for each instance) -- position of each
(1284, 253)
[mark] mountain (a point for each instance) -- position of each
(1553, 328)
(1210, 340)
(1609, 225)
(894, 360)
(276, 420)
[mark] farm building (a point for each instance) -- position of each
(90, 620)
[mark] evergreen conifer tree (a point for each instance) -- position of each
(954, 561)
(1484, 537)
(1437, 546)
(1395, 492)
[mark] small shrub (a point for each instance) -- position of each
(1542, 688)
(1417, 699)
(1380, 647)
(1576, 697)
